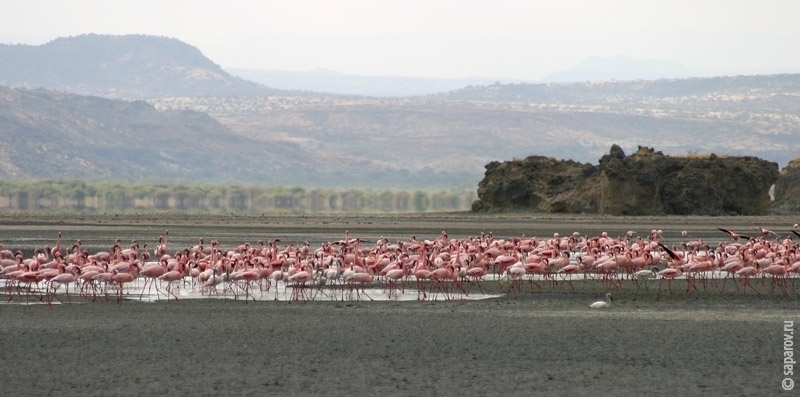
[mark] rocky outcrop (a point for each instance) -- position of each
(540, 183)
(787, 189)
(645, 183)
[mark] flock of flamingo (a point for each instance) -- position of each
(440, 268)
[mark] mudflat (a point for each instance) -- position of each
(542, 343)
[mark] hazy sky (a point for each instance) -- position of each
(436, 38)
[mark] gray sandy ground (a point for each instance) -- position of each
(545, 343)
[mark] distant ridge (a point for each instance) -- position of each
(622, 68)
(775, 87)
(127, 66)
(328, 81)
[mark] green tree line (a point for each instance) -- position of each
(83, 196)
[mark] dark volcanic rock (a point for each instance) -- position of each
(644, 183)
(787, 189)
(533, 183)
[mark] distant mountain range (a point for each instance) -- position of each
(595, 69)
(142, 66)
(201, 124)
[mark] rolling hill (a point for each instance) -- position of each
(53, 135)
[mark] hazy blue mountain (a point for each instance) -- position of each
(327, 81)
(622, 68)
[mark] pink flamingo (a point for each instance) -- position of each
(277, 276)
(151, 272)
(699, 266)
(476, 274)
(673, 258)
(746, 273)
(422, 273)
(87, 279)
(171, 277)
(299, 280)
(212, 282)
(162, 247)
(777, 273)
(668, 274)
(440, 276)
(248, 277)
(733, 235)
(64, 279)
(27, 278)
(393, 276)
(534, 265)
(516, 272)
(103, 277)
(358, 281)
(766, 232)
(608, 267)
(502, 262)
(732, 265)
(566, 273)
(120, 279)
